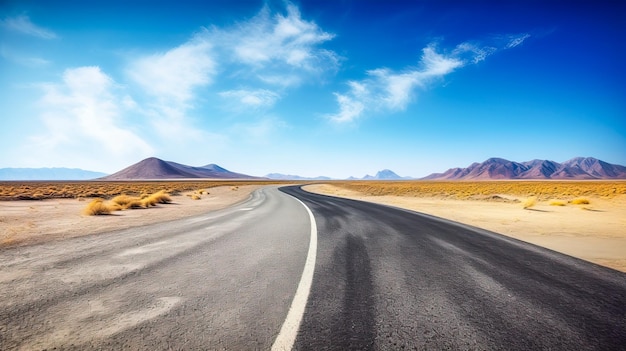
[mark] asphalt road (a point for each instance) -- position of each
(224, 280)
(383, 279)
(390, 279)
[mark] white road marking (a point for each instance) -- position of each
(288, 332)
(246, 209)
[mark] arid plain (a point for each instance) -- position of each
(584, 219)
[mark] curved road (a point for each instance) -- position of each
(223, 280)
(383, 278)
(391, 279)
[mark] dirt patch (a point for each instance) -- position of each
(28, 222)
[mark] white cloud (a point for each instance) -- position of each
(387, 90)
(350, 108)
(277, 49)
(435, 64)
(23, 24)
(173, 75)
(384, 89)
(83, 121)
(169, 82)
(475, 52)
(515, 40)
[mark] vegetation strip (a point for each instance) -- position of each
(40, 190)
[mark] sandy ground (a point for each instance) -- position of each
(595, 232)
(29, 222)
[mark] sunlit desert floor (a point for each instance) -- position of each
(594, 232)
(29, 222)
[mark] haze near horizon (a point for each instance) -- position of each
(312, 87)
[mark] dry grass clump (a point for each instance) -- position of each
(161, 197)
(148, 201)
(126, 201)
(581, 201)
(195, 197)
(557, 203)
(529, 202)
(123, 202)
(98, 207)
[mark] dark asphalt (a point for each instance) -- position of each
(391, 279)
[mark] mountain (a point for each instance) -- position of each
(596, 168)
(154, 168)
(279, 176)
(48, 174)
(385, 174)
(498, 168)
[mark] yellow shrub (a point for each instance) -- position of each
(148, 201)
(529, 202)
(558, 203)
(581, 201)
(161, 197)
(126, 202)
(98, 207)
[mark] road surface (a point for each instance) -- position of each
(381, 279)
(391, 279)
(223, 280)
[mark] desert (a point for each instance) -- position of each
(37, 212)
(594, 231)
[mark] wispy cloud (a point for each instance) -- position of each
(169, 82)
(24, 25)
(171, 76)
(278, 49)
(83, 118)
(266, 55)
(515, 40)
(386, 90)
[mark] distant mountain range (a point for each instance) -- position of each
(493, 168)
(385, 174)
(498, 168)
(48, 174)
(154, 168)
(279, 176)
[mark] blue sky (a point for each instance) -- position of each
(335, 88)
